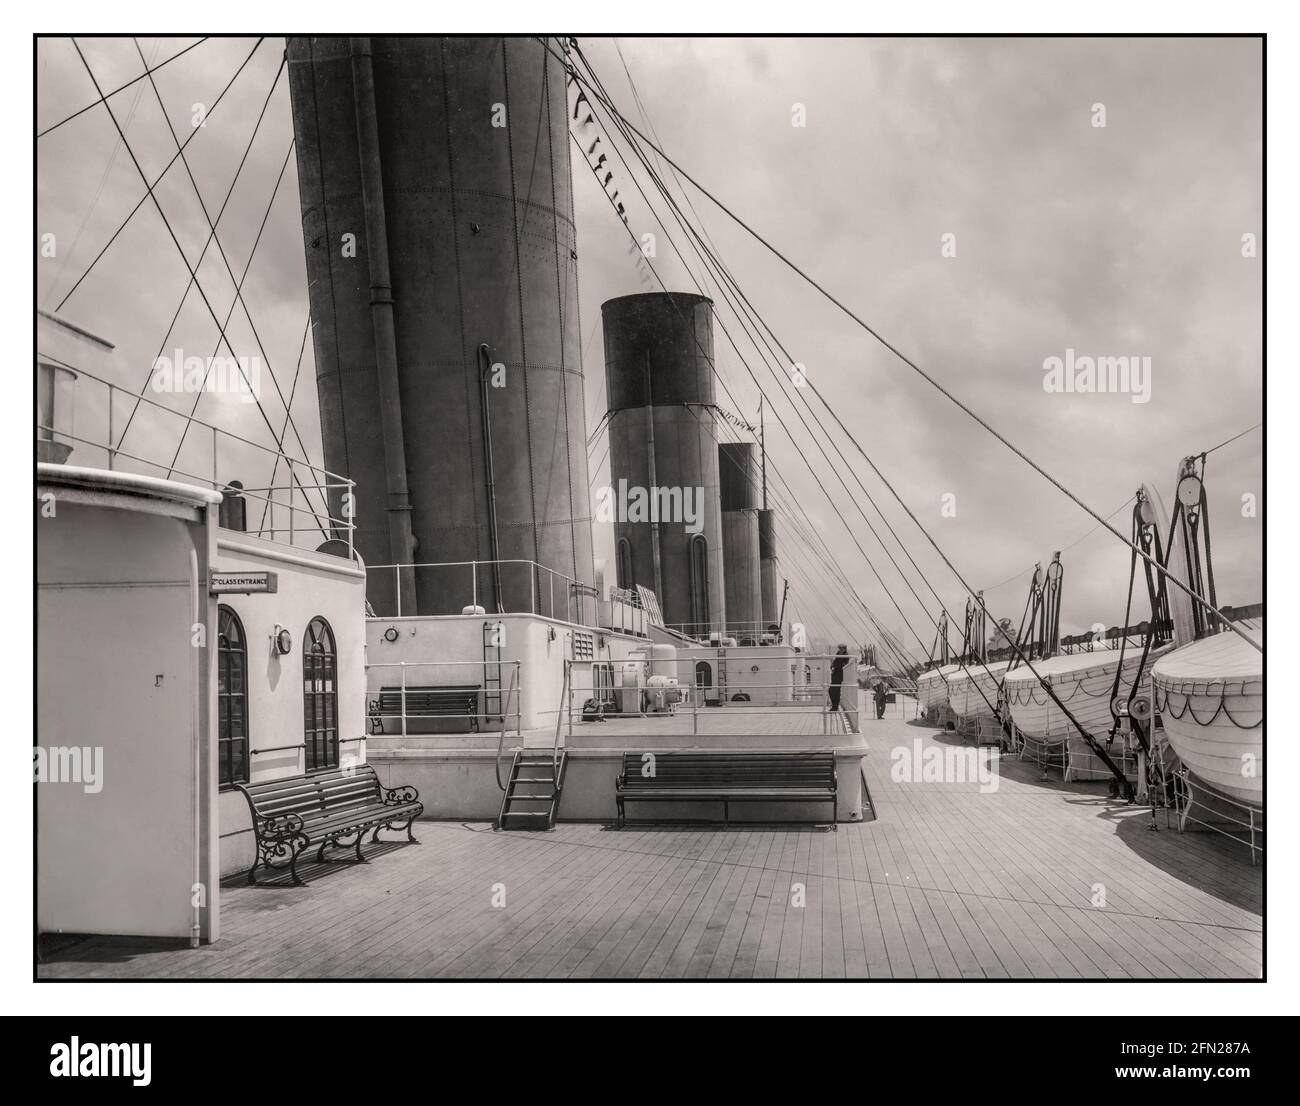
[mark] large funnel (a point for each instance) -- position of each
(438, 218)
(662, 435)
(740, 545)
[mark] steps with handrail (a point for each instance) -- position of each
(533, 790)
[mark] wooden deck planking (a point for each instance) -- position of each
(946, 882)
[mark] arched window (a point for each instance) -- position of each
(699, 561)
(320, 700)
(232, 699)
(625, 577)
(703, 674)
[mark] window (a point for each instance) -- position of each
(320, 700)
(699, 562)
(232, 699)
(602, 683)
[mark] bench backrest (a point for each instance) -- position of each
(332, 791)
(731, 770)
(430, 700)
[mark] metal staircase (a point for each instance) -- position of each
(532, 792)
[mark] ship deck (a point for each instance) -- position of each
(944, 882)
(795, 720)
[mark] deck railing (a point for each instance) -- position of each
(762, 693)
(745, 633)
(525, 587)
(296, 500)
(497, 693)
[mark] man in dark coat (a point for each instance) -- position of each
(880, 699)
(837, 674)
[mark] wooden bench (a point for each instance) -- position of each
(457, 701)
(292, 814)
(728, 778)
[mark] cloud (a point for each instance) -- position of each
(1108, 241)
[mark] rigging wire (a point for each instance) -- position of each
(293, 388)
(684, 224)
(661, 283)
(604, 99)
(780, 497)
(213, 237)
(121, 87)
(934, 383)
(1125, 506)
(1229, 441)
(179, 249)
(248, 146)
(157, 180)
(252, 253)
(728, 390)
(71, 251)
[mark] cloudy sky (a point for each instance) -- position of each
(1110, 241)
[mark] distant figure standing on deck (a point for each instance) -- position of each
(837, 674)
(880, 699)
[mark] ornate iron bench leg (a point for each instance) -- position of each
(361, 836)
(293, 867)
(252, 877)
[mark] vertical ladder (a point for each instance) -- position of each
(533, 790)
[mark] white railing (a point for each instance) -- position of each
(1233, 819)
(281, 500)
(744, 632)
(410, 682)
(526, 587)
(791, 697)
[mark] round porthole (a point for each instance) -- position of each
(391, 634)
(753, 668)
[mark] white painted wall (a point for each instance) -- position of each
(122, 586)
(449, 650)
(763, 672)
(309, 584)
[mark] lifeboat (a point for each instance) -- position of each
(1084, 683)
(1210, 695)
(973, 694)
(932, 688)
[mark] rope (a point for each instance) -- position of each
(1229, 441)
(176, 242)
(722, 268)
(1222, 708)
(625, 128)
(212, 237)
(119, 88)
(897, 353)
(148, 187)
